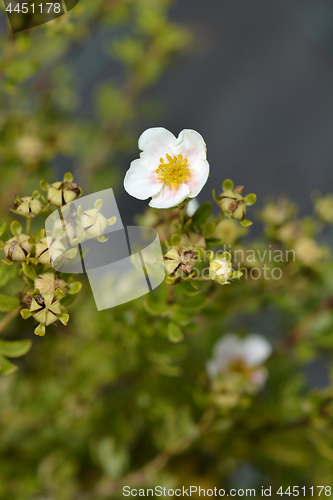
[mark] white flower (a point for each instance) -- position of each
(192, 207)
(169, 169)
(241, 356)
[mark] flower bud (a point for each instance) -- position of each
(61, 193)
(45, 308)
(308, 252)
(18, 247)
(324, 209)
(27, 206)
(57, 249)
(93, 223)
(49, 283)
(220, 270)
(178, 261)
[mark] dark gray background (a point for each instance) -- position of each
(257, 84)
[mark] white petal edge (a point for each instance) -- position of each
(156, 143)
(191, 145)
(141, 182)
(199, 173)
(228, 348)
(170, 197)
(256, 349)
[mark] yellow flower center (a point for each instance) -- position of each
(174, 172)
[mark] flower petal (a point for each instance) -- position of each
(199, 172)
(141, 182)
(170, 197)
(155, 143)
(228, 348)
(191, 145)
(256, 349)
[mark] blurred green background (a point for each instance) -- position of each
(110, 395)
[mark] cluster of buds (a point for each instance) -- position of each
(232, 202)
(275, 214)
(44, 287)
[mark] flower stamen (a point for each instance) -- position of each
(174, 172)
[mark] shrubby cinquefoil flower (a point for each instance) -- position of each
(240, 358)
(169, 169)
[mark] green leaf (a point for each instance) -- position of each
(236, 275)
(25, 313)
(112, 220)
(7, 274)
(228, 185)
(186, 287)
(246, 223)
(6, 367)
(187, 227)
(209, 229)
(15, 228)
(175, 333)
(36, 194)
(202, 214)
(15, 348)
(175, 240)
(29, 271)
(74, 288)
(68, 177)
(98, 204)
(40, 330)
(8, 303)
(44, 185)
(213, 242)
(2, 229)
(250, 199)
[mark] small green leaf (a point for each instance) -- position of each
(202, 214)
(29, 271)
(213, 242)
(175, 333)
(44, 185)
(228, 185)
(246, 223)
(112, 220)
(187, 227)
(64, 319)
(36, 194)
(3, 228)
(40, 330)
(250, 199)
(15, 228)
(236, 275)
(175, 240)
(74, 288)
(15, 348)
(68, 177)
(6, 367)
(25, 313)
(98, 204)
(8, 303)
(209, 229)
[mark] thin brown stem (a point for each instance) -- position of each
(8, 319)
